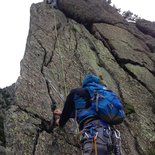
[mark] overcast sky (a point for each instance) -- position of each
(14, 16)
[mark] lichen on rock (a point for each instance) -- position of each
(63, 45)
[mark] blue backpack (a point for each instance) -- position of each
(105, 103)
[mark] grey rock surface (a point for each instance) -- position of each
(59, 52)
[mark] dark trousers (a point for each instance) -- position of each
(96, 139)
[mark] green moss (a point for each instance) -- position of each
(151, 151)
(129, 109)
(76, 28)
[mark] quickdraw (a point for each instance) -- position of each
(91, 134)
(117, 142)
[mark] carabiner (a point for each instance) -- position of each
(117, 134)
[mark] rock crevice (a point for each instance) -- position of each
(63, 45)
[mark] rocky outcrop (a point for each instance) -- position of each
(89, 11)
(146, 27)
(62, 46)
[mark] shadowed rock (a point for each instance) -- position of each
(146, 27)
(90, 11)
(60, 51)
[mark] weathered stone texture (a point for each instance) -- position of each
(90, 11)
(60, 51)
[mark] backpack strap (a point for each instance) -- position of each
(96, 97)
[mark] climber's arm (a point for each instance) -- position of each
(68, 110)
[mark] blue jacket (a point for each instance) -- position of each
(78, 102)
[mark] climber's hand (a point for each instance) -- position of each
(57, 112)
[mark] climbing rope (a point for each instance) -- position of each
(95, 143)
(63, 73)
(61, 58)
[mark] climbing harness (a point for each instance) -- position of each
(90, 134)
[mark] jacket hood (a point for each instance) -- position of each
(89, 79)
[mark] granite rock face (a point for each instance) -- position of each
(62, 46)
(89, 11)
(146, 27)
